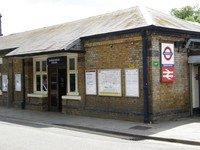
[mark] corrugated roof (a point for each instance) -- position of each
(58, 37)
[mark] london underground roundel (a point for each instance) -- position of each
(167, 53)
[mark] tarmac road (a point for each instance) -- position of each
(28, 135)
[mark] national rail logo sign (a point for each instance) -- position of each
(167, 50)
(167, 74)
(167, 57)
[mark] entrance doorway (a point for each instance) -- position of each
(196, 109)
(57, 87)
(195, 88)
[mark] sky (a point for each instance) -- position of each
(24, 15)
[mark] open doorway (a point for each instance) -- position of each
(57, 88)
(195, 89)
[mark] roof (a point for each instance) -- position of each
(61, 37)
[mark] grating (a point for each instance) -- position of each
(140, 128)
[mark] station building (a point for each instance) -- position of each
(136, 64)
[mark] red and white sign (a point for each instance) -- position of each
(167, 59)
(167, 74)
(167, 53)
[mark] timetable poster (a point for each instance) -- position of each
(90, 82)
(132, 82)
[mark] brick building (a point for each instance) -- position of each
(136, 64)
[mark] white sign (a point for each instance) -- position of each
(109, 82)
(5, 82)
(90, 82)
(167, 50)
(132, 82)
(18, 82)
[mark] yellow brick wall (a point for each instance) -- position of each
(115, 52)
(168, 100)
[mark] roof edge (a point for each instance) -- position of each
(149, 27)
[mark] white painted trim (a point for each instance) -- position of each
(39, 59)
(37, 95)
(75, 71)
(71, 97)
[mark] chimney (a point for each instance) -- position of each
(0, 26)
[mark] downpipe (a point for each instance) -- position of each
(145, 80)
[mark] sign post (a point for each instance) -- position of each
(167, 56)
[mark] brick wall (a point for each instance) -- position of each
(115, 52)
(168, 100)
(4, 69)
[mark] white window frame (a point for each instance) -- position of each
(41, 73)
(75, 71)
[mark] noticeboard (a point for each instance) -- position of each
(18, 82)
(4, 82)
(109, 82)
(132, 82)
(90, 82)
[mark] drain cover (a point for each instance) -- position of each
(140, 128)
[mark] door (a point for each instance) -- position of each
(197, 111)
(62, 86)
(57, 88)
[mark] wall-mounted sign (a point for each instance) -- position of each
(167, 57)
(18, 85)
(109, 82)
(167, 74)
(90, 82)
(132, 82)
(132, 66)
(155, 63)
(57, 61)
(4, 82)
(167, 52)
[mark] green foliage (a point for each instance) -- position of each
(189, 13)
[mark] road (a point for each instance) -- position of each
(23, 135)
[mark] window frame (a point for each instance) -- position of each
(75, 72)
(40, 73)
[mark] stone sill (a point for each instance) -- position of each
(75, 97)
(37, 95)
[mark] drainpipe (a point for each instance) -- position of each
(24, 84)
(145, 82)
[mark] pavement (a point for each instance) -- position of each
(185, 130)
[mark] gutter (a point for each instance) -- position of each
(145, 80)
(149, 28)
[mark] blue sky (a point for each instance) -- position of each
(23, 15)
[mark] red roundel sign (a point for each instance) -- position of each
(167, 54)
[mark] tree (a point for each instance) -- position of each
(189, 13)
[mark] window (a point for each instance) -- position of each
(72, 75)
(40, 76)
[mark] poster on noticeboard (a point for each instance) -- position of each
(109, 82)
(90, 82)
(18, 82)
(4, 82)
(132, 82)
